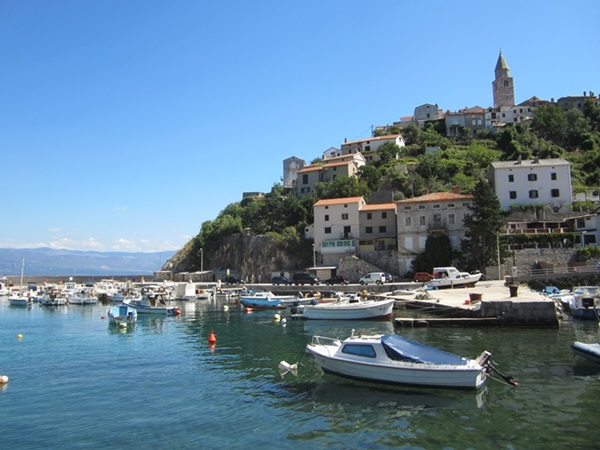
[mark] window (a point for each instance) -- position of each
(513, 194)
(327, 230)
(384, 215)
(533, 194)
(326, 217)
(408, 221)
(360, 350)
(450, 205)
(511, 178)
(532, 177)
(369, 230)
(305, 179)
(451, 219)
(421, 206)
(422, 221)
(553, 176)
(344, 216)
(436, 206)
(407, 208)
(369, 216)
(555, 193)
(382, 229)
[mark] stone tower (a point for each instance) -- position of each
(504, 89)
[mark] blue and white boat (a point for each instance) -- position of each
(590, 352)
(268, 300)
(153, 303)
(585, 303)
(122, 315)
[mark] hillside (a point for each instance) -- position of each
(51, 262)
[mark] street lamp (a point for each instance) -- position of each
(314, 256)
(202, 263)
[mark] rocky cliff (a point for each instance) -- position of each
(245, 255)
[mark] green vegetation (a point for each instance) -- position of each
(430, 161)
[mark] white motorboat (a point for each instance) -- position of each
(82, 297)
(21, 299)
(393, 359)
(584, 303)
(351, 310)
(450, 277)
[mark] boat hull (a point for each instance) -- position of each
(590, 352)
(350, 311)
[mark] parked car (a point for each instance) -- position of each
(389, 278)
(422, 277)
(373, 278)
(305, 278)
(336, 279)
(232, 280)
(281, 280)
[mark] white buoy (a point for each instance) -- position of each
(284, 320)
(283, 365)
(3, 379)
(225, 307)
(277, 317)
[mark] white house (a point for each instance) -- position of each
(337, 225)
(535, 181)
(435, 214)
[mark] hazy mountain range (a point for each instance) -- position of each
(50, 262)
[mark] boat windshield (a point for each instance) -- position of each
(399, 348)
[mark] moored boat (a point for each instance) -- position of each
(450, 277)
(351, 310)
(152, 303)
(122, 315)
(591, 352)
(584, 303)
(393, 359)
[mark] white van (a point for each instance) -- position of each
(373, 278)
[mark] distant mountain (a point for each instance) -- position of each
(50, 262)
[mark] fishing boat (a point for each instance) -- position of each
(591, 352)
(82, 297)
(584, 303)
(393, 359)
(450, 277)
(152, 303)
(21, 299)
(268, 300)
(122, 315)
(350, 310)
(54, 297)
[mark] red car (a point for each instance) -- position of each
(422, 277)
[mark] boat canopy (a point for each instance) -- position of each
(399, 348)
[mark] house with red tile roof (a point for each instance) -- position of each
(434, 214)
(326, 171)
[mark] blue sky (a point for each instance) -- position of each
(126, 124)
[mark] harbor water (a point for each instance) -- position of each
(75, 381)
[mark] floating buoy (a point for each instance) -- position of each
(19, 336)
(3, 379)
(212, 338)
(102, 317)
(277, 317)
(225, 308)
(284, 320)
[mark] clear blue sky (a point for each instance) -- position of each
(126, 124)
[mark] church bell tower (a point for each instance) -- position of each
(504, 89)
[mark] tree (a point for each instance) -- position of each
(481, 228)
(388, 152)
(343, 186)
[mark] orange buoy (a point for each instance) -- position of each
(212, 338)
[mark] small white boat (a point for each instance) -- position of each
(353, 310)
(122, 315)
(83, 297)
(153, 303)
(393, 359)
(55, 297)
(585, 303)
(21, 299)
(450, 277)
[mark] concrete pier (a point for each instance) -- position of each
(489, 303)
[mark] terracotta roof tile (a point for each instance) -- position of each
(437, 197)
(337, 201)
(378, 206)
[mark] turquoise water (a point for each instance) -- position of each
(77, 382)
